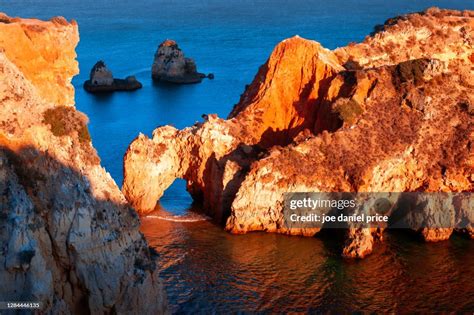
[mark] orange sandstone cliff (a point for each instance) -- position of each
(68, 238)
(393, 113)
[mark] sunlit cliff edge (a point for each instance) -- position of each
(392, 113)
(68, 238)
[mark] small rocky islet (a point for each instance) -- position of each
(102, 80)
(171, 65)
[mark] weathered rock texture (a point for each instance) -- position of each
(171, 65)
(102, 80)
(100, 74)
(68, 238)
(49, 68)
(393, 113)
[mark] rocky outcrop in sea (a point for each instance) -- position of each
(170, 65)
(392, 113)
(68, 238)
(102, 80)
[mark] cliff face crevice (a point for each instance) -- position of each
(68, 238)
(393, 113)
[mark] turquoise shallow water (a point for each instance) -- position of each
(204, 268)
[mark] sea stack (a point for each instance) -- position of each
(102, 80)
(170, 65)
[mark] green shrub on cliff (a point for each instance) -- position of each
(64, 120)
(348, 110)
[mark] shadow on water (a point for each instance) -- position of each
(103, 98)
(164, 86)
(176, 99)
(333, 240)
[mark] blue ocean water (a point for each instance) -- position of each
(204, 268)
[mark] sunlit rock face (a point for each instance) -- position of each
(68, 238)
(393, 113)
(171, 65)
(212, 155)
(49, 67)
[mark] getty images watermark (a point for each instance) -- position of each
(414, 210)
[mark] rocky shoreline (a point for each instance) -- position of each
(393, 113)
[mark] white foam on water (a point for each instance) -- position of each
(176, 218)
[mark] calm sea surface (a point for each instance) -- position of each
(204, 268)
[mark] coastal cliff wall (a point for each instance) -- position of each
(393, 113)
(50, 67)
(68, 238)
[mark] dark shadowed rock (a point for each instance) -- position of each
(170, 65)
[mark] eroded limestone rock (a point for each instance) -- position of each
(388, 114)
(53, 65)
(214, 155)
(170, 65)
